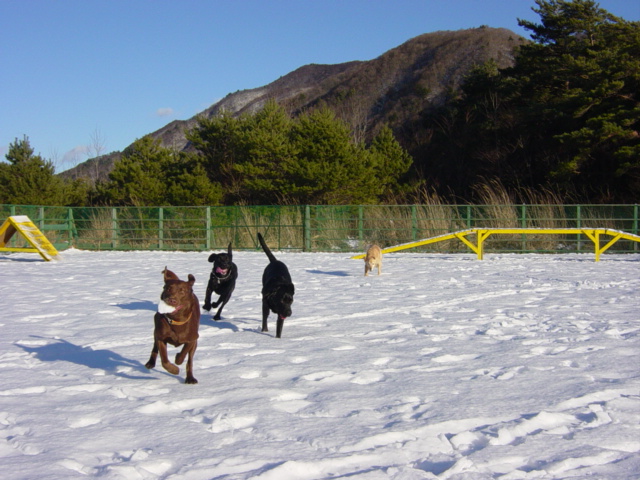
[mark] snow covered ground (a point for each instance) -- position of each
(514, 367)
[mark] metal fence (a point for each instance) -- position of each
(320, 227)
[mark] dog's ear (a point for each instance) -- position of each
(229, 251)
(169, 275)
(192, 279)
(213, 257)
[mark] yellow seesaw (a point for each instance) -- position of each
(23, 225)
(483, 233)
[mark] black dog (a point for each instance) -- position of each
(277, 290)
(222, 280)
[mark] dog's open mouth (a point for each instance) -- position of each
(166, 308)
(222, 271)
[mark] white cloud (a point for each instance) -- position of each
(75, 155)
(164, 112)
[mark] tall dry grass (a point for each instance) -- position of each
(345, 228)
(96, 233)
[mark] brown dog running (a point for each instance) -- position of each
(373, 259)
(176, 323)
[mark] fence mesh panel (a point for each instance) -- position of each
(317, 228)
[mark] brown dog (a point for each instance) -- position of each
(176, 323)
(373, 259)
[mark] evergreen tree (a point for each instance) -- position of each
(391, 162)
(330, 169)
(270, 158)
(583, 72)
(151, 175)
(137, 178)
(266, 153)
(188, 183)
(565, 116)
(29, 179)
(219, 142)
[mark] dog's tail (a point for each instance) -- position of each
(266, 248)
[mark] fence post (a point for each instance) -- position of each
(208, 233)
(414, 222)
(306, 228)
(40, 219)
(579, 225)
(160, 228)
(360, 223)
(523, 224)
(635, 225)
(114, 228)
(70, 226)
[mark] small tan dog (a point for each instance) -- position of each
(372, 259)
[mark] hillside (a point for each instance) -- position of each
(397, 88)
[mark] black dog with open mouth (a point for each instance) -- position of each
(277, 290)
(222, 280)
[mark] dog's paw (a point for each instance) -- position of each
(171, 368)
(190, 381)
(206, 306)
(150, 364)
(217, 316)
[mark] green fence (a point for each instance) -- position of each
(320, 227)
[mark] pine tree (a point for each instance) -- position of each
(566, 116)
(29, 179)
(391, 162)
(581, 79)
(330, 169)
(267, 152)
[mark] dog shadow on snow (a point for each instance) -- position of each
(337, 273)
(61, 350)
(139, 305)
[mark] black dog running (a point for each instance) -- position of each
(222, 280)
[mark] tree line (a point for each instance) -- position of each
(565, 117)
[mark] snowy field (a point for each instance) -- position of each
(514, 367)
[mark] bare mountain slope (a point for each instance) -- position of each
(395, 88)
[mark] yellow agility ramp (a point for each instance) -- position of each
(23, 225)
(483, 233)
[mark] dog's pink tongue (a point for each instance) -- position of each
(222, 271)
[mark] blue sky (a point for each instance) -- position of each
(76, 74)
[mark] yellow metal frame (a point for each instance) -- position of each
(23, 225)
(483, 233)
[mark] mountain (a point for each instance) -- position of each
(398, 88)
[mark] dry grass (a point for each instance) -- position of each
(343, 228)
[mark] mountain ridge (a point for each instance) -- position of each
(396, 88)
